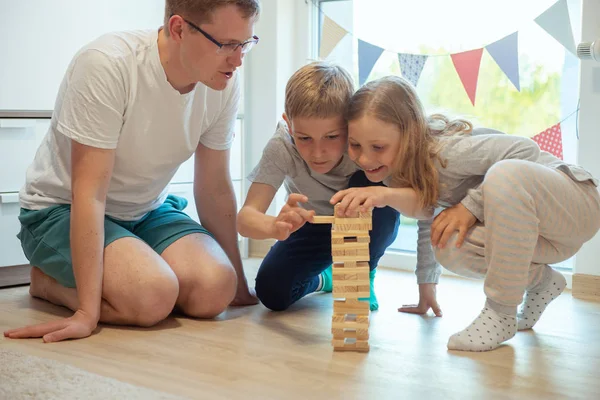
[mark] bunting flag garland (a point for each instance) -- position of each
(368, 54)
(411, 66)
(506, 54)
(550, 140)
(467, 66)
(331, 35)
(557, 23)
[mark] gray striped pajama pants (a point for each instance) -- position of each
(533, 216)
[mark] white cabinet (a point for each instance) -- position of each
(10, 247)
(19, 140)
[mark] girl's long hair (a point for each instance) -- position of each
(394, 100)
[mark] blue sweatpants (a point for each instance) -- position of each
(291, 269)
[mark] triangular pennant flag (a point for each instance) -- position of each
(411, 66)
(368, 54)
(551, 140)
(467, 66)
(506, 54)
(557, 23)
(332, 34)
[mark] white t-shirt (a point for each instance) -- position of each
(115, 95)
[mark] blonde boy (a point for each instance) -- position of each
(308, 155)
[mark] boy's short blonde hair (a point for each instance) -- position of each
(320, 90)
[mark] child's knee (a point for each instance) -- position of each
(271, 293)
(501, 173)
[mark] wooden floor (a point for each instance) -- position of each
(252, 353)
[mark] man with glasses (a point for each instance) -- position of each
(102, 234)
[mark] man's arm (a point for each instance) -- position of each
(217, 209)
(91, 172)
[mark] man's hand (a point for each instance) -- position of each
(456, 218)
(80, 325)
(291, 217)
(360, 199)
(427, 300)
(244, 296)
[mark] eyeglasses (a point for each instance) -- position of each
(226, 48)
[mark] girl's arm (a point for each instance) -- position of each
(404, 200)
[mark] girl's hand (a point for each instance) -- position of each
(360, 199)
(456, 218)
(427, 300)
(291, 217)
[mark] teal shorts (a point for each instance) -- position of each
(46, 243)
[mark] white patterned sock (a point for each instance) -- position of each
(485, 333)
(537, 299)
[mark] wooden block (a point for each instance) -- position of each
(364, 276)
(350, 245)
(341, 290)
(351, 306)
(348, 293)
(350, 232)
(323, 219)
(349, 271)
(352, 295)
(350, 258)
(344, 282)
(342, 345)
(351, 228)
(350, 252)
(342, 237)
(350, 325)
(353, 311)
(351, 221)
(345, 264)
(349, 334)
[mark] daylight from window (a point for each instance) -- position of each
(548, 74)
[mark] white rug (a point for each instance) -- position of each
(28, 377)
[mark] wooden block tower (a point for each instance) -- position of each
(350, 251)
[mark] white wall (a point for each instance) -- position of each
(587, 260)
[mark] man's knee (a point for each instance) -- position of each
(209, 291)
(152, 302)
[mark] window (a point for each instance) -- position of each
(549, 75)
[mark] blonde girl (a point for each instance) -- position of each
(508, 208)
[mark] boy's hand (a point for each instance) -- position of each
(427, 300)
(456, 218)
(291, 217)
(360, 199)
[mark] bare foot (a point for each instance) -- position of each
(41, 285)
